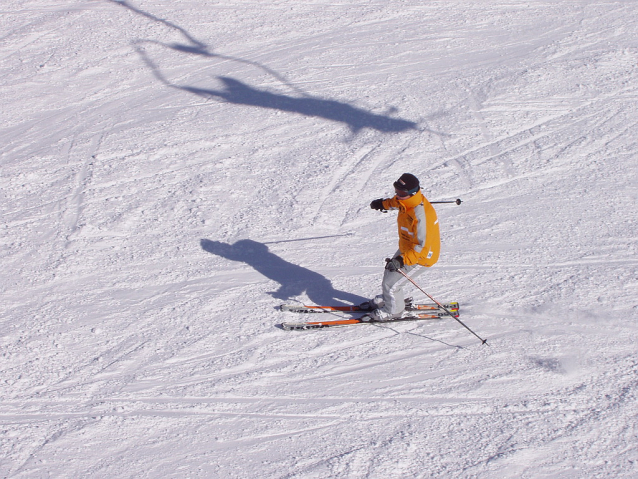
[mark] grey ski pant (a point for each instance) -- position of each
(392, 287)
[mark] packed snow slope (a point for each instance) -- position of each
(173, 171)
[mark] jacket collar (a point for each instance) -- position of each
(412, 201)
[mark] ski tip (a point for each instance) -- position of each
(291, 327)
(292, 308)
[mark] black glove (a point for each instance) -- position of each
(377, 205)
(394, 264)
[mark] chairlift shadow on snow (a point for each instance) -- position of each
(239, 93)
(293, 279)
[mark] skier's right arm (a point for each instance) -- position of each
(384, 204)
(377, 205)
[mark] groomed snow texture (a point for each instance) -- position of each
(172, 171)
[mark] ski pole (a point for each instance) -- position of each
(456, 201)
(484, 341)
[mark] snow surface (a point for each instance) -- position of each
(172, 171)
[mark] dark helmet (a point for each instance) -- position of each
(408, 183)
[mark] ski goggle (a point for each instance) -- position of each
(402, 194)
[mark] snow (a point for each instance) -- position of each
(171, 172)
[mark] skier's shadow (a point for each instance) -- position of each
(293, 279)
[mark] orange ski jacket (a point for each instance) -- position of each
(419, 236)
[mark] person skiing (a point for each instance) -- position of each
(419, 247)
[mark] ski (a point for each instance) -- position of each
(296, 308)
(351, 321)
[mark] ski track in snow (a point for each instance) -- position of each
(162, 164)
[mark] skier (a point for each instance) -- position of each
(419, 245)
